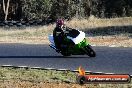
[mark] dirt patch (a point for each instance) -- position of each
(111, 41)
(117, 41)
(28, 84)
(103, 32)
(25, 40)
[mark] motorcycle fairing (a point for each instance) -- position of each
(78, 39)
(51, 39)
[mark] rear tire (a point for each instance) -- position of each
(65, 52)
(89, 51)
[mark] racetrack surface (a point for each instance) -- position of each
(108, 59)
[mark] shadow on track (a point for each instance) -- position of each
(43, 57)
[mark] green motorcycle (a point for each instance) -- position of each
(79, 45)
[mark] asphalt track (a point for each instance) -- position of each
(108, 59)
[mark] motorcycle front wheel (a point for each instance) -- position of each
(89, 51)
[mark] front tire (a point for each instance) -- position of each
(89, 51)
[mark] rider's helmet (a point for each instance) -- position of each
(60, 22)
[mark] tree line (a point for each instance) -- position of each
(53, 9)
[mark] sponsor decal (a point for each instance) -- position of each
(101, 78)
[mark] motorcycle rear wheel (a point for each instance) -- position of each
(65, 52)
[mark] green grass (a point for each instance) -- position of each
(9, 73)
(36, 76)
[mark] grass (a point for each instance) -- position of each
(82, 24)
(100, 32)
(93, 22)
(114, 29)
(36, 75)
(11, 77)
(32, 35)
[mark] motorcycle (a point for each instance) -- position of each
(80, 47)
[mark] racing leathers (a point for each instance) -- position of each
(58, 35)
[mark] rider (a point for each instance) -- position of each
(58, 33)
